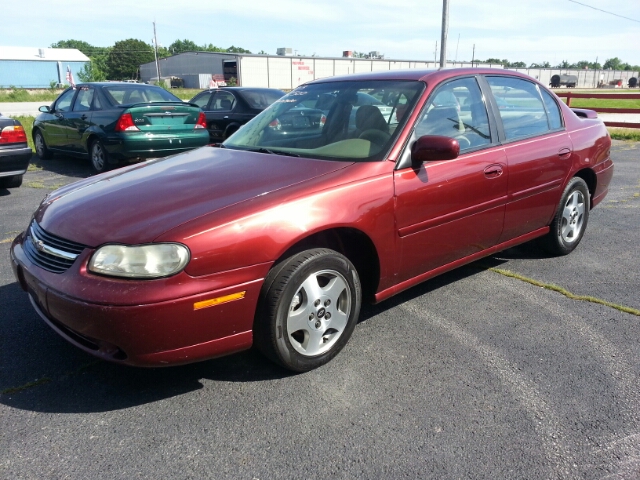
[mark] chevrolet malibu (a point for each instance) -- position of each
(275, 240)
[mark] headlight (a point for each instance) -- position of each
(141, 261)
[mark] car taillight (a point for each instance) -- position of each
(202, 121)
(275, 124)
(323, 120)
(13, 134)
(125, 123)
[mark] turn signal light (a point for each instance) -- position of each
(125, 123)
(13, 134)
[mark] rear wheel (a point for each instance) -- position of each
(570, 221)
(99, 157)
(11, 182)
(42, 150)
(309, 307)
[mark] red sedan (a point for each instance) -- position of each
(275, 237)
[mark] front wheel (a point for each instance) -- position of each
(308, 309)
(570, 221)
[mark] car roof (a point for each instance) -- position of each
(108, 84)
(420, 75)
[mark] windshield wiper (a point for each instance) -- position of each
(273, 152)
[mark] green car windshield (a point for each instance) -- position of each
(355, 120)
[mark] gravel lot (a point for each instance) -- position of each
(475, 374)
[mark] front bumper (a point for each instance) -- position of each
(14, 161)
(148, 331)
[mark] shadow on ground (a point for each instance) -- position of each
(39, 371)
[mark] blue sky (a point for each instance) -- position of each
(518, 30)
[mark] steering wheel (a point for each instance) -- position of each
(375, 136)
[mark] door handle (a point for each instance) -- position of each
(493, 171)
(84, 117)
(226, 116)
(564, 153)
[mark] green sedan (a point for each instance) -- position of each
(113, 123)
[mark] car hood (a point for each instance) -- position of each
(136, 204)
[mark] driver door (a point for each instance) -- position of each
(448, 210)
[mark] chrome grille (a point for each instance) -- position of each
(48, 251)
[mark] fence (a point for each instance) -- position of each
(615, 96)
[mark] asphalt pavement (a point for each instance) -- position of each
(480, 373)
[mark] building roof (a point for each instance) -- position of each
(42, 54)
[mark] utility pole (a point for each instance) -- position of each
(443, 39)
(155, 51)
(435, 55)
(473, 56)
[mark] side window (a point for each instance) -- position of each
(457, 110)
(83, 100)
(97, 103)
(223, 101)
(520, 106)
(63, 104)
(555, 119)
(202, 99)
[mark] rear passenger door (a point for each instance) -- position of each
(538, 151)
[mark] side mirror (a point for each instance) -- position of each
(44, 109)
(429, 148)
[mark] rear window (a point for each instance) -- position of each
(260, 99)
(128, 94)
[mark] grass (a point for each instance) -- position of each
(24, 95)
(632, 134)
(603, 103)
(566, 293)
(27, 123)
(47, 95)
(616, 133)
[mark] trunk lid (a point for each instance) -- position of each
(163, 117)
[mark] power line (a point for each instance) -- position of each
(605, 11)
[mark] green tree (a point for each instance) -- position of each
(212, 48)
(517, 65)
(86, 48)
(540, 65)
(181, 46)
(612, 63)
(91, 73)
(233, 49)
(125, 58)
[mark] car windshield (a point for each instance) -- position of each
(356, 120)
(260, 99)
(128, 94)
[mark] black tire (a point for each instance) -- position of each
(11, 182)
(231, 129)
(317, 290)
(42, 150)
(99, 157)
(570, 220)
